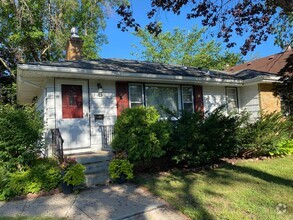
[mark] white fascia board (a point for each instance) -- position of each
(66, 72)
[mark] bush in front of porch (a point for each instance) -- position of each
(140, 133)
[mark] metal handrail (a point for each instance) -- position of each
(107, 132)
(57, 142)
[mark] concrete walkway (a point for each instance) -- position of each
(103, 202)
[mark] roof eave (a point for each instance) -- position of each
(261, 79)
(67, 72)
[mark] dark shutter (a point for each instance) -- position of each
(198, 99)
(122, 99)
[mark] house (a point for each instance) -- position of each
(84, 97)
(272, 64)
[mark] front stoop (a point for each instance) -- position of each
(96, 164)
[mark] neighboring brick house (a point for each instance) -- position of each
(270, 64)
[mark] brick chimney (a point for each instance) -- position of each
(74, 46)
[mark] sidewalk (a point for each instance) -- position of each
(103, 202)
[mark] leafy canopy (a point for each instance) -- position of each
(254, 19)
(35, 31)
(184, 48)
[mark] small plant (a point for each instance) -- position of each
(74, 175)
(120, 168)
(73, 172)
(68, 162)
(285, 147)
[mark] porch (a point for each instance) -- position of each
(95, 162)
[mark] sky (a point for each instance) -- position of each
(120, 43)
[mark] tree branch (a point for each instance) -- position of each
(6, 66)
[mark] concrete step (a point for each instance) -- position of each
(97, 167)
(97, 179)
(94, 157)
(96, 164)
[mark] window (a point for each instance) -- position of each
(135, 95)
(162, 96)
(187, 98)
(232, 99)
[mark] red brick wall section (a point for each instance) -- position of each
(122, 99)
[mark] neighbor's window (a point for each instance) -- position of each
(135, 95)
(232, 99)
(162, 96)
(187, 98)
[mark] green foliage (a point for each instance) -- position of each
(284, 147)
(119, 167)
(197, 140)
(21, 130)
(266, 135)
(140, 134)
(5, 191)
(184, 48)
(44, 175)
(42, 34)
(74, 175)
(35, 31)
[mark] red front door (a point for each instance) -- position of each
(72, 106)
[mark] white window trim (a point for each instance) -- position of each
(142, 93)
(192, 97)
(237, 98)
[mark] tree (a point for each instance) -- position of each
(255, 19)
(184, 48)
(34, 31)
(285, 89)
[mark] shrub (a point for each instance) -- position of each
(120, 167)
(5, 191)
(284, 147)
(44, 175)
(74, 175)
(266, 135)
(21, 129)
(140, 134)
(196, 140)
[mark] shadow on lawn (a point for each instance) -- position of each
(182, 195)
(180, 186)
(259, 174)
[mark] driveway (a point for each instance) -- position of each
(103, 202)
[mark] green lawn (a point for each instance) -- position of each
(30, 218)
(246, 190)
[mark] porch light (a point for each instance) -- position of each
(100, 90)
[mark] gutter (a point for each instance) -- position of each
(116, 75)
(258, 79)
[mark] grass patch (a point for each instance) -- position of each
(246, 190)
(30, 218)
